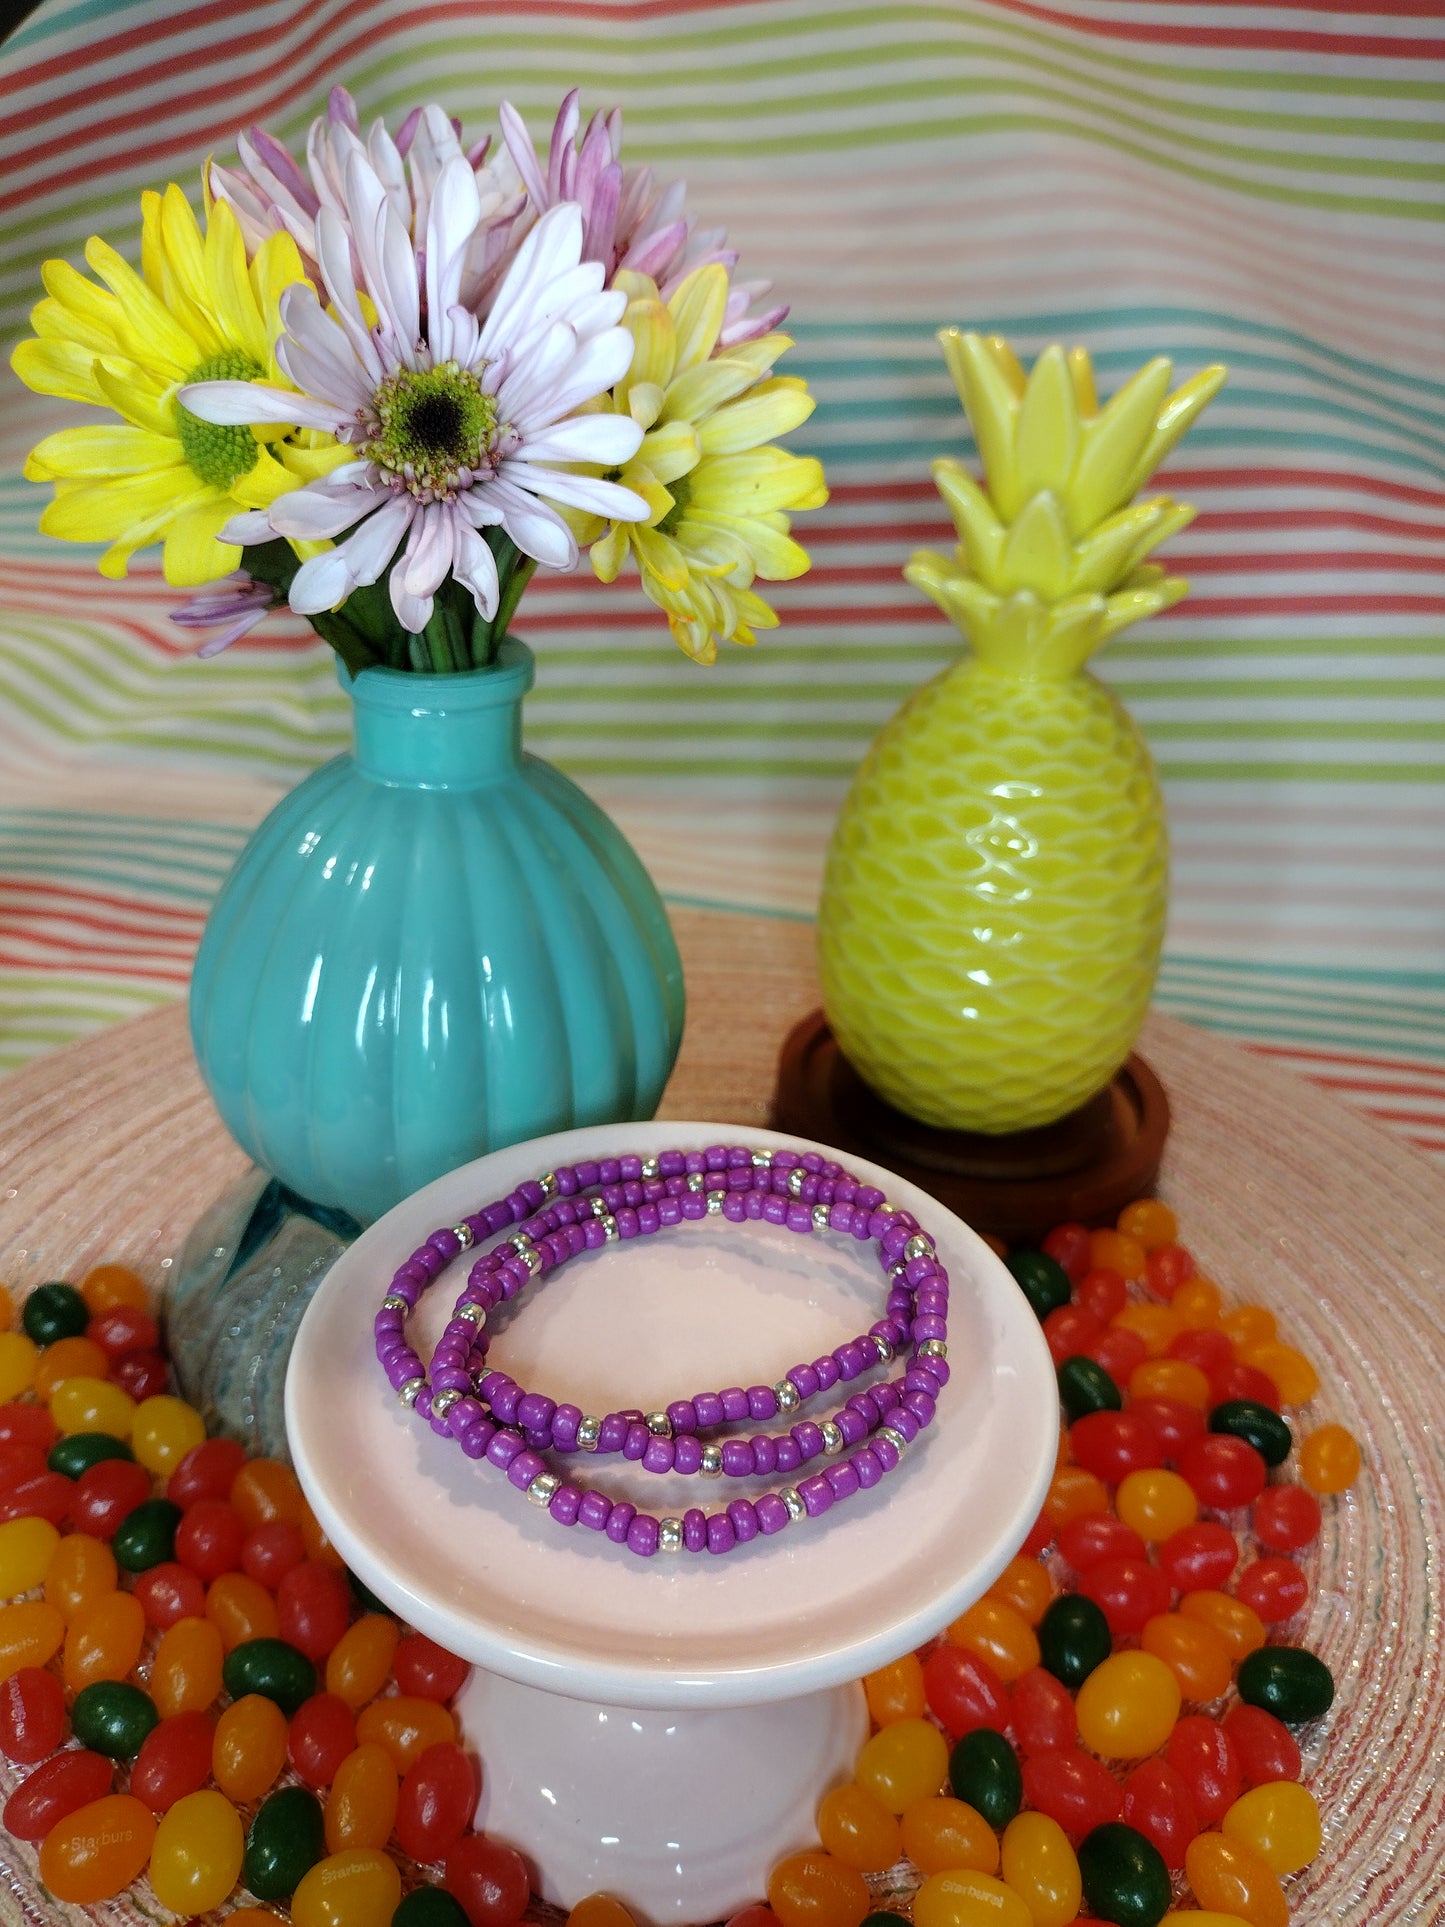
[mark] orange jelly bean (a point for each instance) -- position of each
(240, 1609)
(361, 1805)
(1296, 1378)
(1155, 1503)
(1197, 1304)
(405, 1727)
(69, 1358)
(599, 1910)
(104, 1640)
(1157, 1325)
(1249, 1325)
(97, 1850)
(943, 1833)
(265, 1490)
(249, 1748)
(81, 1570)
(1073, 1493)
(253, 1917)
(1232, 1877)
(815, 1890)
(1194, 1653)
(1149, 1223)
(1113, 1251)
(996, 1632)
(1026, 1586)
(106, 1286)
(856, 1828)
(1239, 1627)
(1171, 1378)
(896, 1692)
(1329, 1459)
(903, 1762)
(359, 1664)
(186, 1671)
(30, 1634)
(318, 1546)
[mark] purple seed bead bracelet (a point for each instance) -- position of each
(584, 1206)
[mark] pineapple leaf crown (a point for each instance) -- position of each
(1050, 561)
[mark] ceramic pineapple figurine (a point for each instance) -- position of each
(995, 893)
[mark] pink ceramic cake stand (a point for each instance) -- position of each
(662, 1729)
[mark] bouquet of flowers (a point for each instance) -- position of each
(385, 384)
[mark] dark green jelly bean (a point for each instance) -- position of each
(272, 1668)
(434, 1907)
(1257, 1425)
(368, 1602)
(1041, 1279)
(1288, 1682)
(146, 1537)
(82, 1450)
(112, 1717)
(53, 1311)
(1086, 1387)
(983, 1769)
(1073, 1638)
(1124, 1875)
(287, 1838)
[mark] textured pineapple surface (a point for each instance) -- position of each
(994, 901)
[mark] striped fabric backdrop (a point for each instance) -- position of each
(1258, 184)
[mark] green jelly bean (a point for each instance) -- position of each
(1257, 1425)
(82, 1450)
(1287, 1681)
(1073, 1638)
(272, 1668)
(1086, 1387)
(53, 1311)
(146, 1537)
(1041, 1279)
(434, 1907)
(112, 1717)
(1124, 1876)
(287, 1838)
(983, 1770)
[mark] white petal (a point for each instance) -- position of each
(318, 356)
(315, 511)
(236, 402)
(451, 221)
(475, 567)
(412, 612)
(524, 155)
(333, 250)
(552, 248)
(609, 439)
(595, 367)
(578, 491)
(252, 525)
(372, 546)
(429, 552)
(537, 530)
(528, 384)
(321, 583)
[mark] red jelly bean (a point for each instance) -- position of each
(1157, 1804)
(1103, 1292)
(1098, 1535)
(1243, 1381)
(1040, 1536)
(271, 1551)
(1274, 1588)
(28, 1425)
(1201, 1753)
(1199, 1557)
(32, 1715)
(1174, 1424)
(1067, 1329)
(1209, 1350)
(427, 1671)
(174, 1760)
(124, 1328)
(169, 1592)
(437, 1800)
(209, 1539)
(1286, 1517)
(1263, 1745)
(1041, 1712)
(313, 1607)
(61, 1786)
(208, 1471)
(321, 1735)
(1223, 1471)
(1128, 1591)
(19, 1460)
(963, 1691)
(1119, 1351)
(1165, 1269)
(106, 1493)
(489, 1880)
(1111, 1445)
(1069, 1245)
(40, 1495)
(144, 1374)
(1073, 1788)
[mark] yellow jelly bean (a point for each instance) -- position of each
(197, 1853)
(18, 1358)
(186, 1671)
(1156, 1503)
(1171, 1378)
(1280, 1820)
(1157, 1325)
(27, 1547)
(903, 1762)
(92, 1405)
(856, 1828)
(249, 1748)
(997, 1633)
(165, 1429)
(81, 1570)
(942, 1835)
(599, 1910)
(359, 1664)
(357, 1888)
(361, 1805)
(104, 1640)
(963, 1898)
(1127, 1706)
(1329, 1459)
(895, 1692)
(1150, 1222)
(30, 1634)
(1041, 1867)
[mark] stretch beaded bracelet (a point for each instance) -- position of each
(730, 1182)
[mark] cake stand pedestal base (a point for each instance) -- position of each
(1083, 1169)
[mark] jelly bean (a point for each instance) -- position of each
(1264, 1746)
(271, 1551)
(32, 1715)
(113, 1717)
(322, 1734)
(186, 1670)
(1174, 1424)
(1170, 1378)
(98, 1850)
(1209, 1349)
(359, 1664)
(68, 1358)
(1113, 1444)
(53, 1312)
(272, 1668)
(174, 1760)
(19, 1464)
(1096, 1536)
(1166, 1270)
(199, 1846)
(1195, 1654)
(1041, 1712)
(103, 1640)
(1040, 1536)
(107, 1494)
(74, 1455)
(1117, 1252)
(1280, 1820)
(1157, 1804)
(1199, 1917)
(1274, 1588)
(164, 1430)
(983, 1771)
(1198, 1305)
(1286, 1517)
(147, 1536)
(1199, 1556)
(1239, 1381)
(241, 1610)
(1068, 1329)
(1329, 1459)
(903, 1762)
(1040, 1866)
(31, 1425)
(1085, 1387)
(1103, 1292)
(105, 1286)
(1072, 1788)
(1157, 1325)
(30, 1634)
(1201, 1754)
(964, 1898)
(1128, 1591)
(1157, 1502)
(356, 1888)
(209, 1538)
(1250, 1325)
(493, 1886)
(265, 1490)
(406, 1727)
(1287, 1681)
(997, 1634)
(601, 1910)
(940, 1834)
(434, 1907)
(1025, 1586)
(318, 1546)
(1068, 1245)
(86, 1404)
(313, 1605)
(1297, 1379)
(853, 1825)
(18, 1359)
(59, 1787)
(207, 1471)
(124, 1328)
(143, 1374)
(249, 1749)
(1232, 1877)
(1041, 1279)
(1124, 1877)
(27, 1547)
(285, 1841)
(169, 1592)
(1072, 1493)
(361, 1806)
(1257, 1425)
(895, 1692)
(1127, 1706)
(962, 1690)
(1231, 1620)
(45, 1495)
(1074, 1638)
(1149, 1222)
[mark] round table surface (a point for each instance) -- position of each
(110, 1149)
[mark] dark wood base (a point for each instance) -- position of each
(1084, 1168)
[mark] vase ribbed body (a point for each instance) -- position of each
(433, 947)
(994, 900)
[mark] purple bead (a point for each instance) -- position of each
(669, 1211)
(630, 1168)
(637, 1440)
(642, 1535)
(686, 1454)
(475, 1440)
(594, 1511)
(788, 1458)
(626, 1222)
(659, 1456)
(618, 1520)
(524, 1468)
(734, 1209)
(594, 1235)
(693, 1205)
(734, 1404)
(672, 1164)
(921, 1406)
(612, 1434)
(827, 1369)
(565, 1504)
(842, 1478)
(716, 1157)
(816, 1494)
(682, 1416)
(930, 1326)
(743, 1515)
(808, 1438)
(775, 1210)
(737, 1458)
(805, 1378)
(904, 1421)
(504, 1448)
(504, 1397)
(840, 1217)
(852, 1425)
(534, 1413)
(720, 1534)
(647, 1219)
(709, 1409)
(885, 1452)
(694, 1529)
(754, 1206)
(564, 1427)
(586, 1174)
(765, 1454)
(773, 1515)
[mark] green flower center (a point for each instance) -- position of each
(219, 452)
(435, 428)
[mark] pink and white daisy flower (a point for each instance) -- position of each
(457, 421)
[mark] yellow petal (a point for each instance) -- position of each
(979, 529)
(261, 485)
(771, 409)
(697, 309)
(93, 306)
(192, 554)
(774, 555)
(149, 333)
(310, 463)
(660, 556)
(637, 287)
(135, 396)
(1037, 553)
(1008, 364)
(669, 452)
(654, 347)
(1081, 374)
(756, 481)
(992, 409)
(277, 266)
(229, 284)
(761, 354)
(59, 368)
(609, 554)
(644, 402)
(95, 453)
(698, 391)
(1174, 418)
(1112, 444)
(101, 511)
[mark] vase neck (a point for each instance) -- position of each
(441, 732)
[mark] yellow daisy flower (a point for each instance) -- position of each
(197, 311)
(720, 499)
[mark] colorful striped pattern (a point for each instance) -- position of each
(1259, 184)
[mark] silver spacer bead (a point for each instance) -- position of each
(694, 1181)
(788, 1396)
(918, 1246)
(833, 1440)
(649, 1168)
(933, 1348)
(659, 1424)
(597, 1206)
(711, 1467)
(888, 1210)
(609, 1228)
(542, 1488)
(897, 1271)
(820, 1217)
(443, 1402)
(895, 1439)
(588, 1433)
(762, 1160)
(548, 1183)
(464, 1236)
(406, 1393)
(715, 1203)
(474, 1314)
(527, 1252)
(795, 1181)
(669, 1535)
(792, 1499)
(885, 1350)
(394, 1301)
